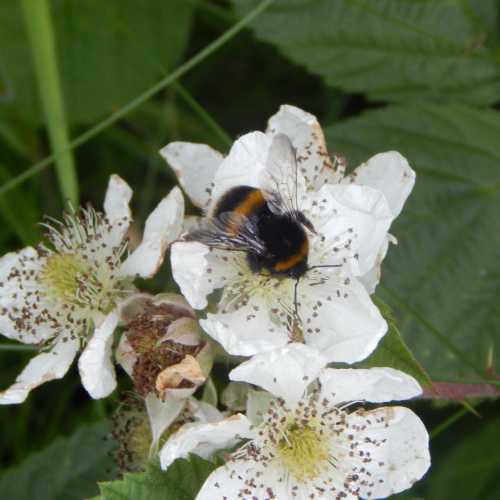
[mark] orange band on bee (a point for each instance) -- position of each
(248, 206)
(293, 260)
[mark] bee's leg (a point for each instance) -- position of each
(297, 334)
(295, 301)
(326, 265)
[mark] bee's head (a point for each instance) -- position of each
(300, 217)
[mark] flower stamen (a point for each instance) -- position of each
(303, 451)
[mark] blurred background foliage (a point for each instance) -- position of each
(418, 76)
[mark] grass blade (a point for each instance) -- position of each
(439, 429)
(43, 48)
(157, 87)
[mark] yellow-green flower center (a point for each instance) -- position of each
(303, 451)
(64, 276)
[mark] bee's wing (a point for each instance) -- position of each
(228, 231)
(281, 180)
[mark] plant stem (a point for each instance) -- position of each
(43, 49)
(17, 347)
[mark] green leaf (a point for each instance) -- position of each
(394, 353)
(234, 396)
(109, 52)
(391, 49)
(470, 471)
(67, 469)
(181, 481)
(444, 275)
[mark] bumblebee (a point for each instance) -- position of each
(264, 223)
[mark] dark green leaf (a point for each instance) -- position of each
(181, 481)
(445, 271)
(471, 470)
(108, 52)
(394, 353)
(392, 49)
(67, 469)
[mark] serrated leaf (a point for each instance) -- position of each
(470, 472)
(446, 264)
(182, 481)
(109, 52)
(67, 469)
(394, 353)
(391, 49)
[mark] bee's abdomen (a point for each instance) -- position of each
(287, 244)
(285, 240)
(243, 200)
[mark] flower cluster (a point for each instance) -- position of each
(282, 265)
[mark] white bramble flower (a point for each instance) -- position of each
(308, 442)
(351, 215)
(161, 348)
(66, 294)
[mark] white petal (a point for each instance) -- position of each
(163, 226)
(375, 385)
(244, 163)
(205, 439)
(284, 372)
(402, 459)
(390, 173)
(247, 479)
(246, 331)
(95, 364)
(226, 481)
(345, 326)
(125, 355)
(353, 222)
(371, 279)
(191, 222)
(184, 331)
(162, 414)
(13, 296)
(307, 137)
(258, 403)
(42, 368)
(195, 166)
(204, 412)
(199, 271)
(116, 208)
